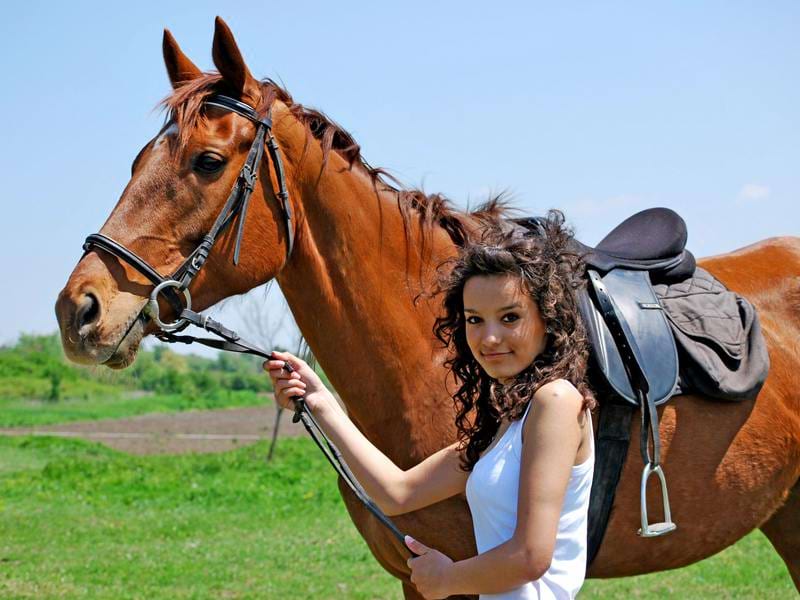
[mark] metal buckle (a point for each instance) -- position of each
(248, 177)
(153, 304)
(655, 529)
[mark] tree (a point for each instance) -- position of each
(55, 375)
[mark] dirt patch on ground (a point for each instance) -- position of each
(177, 433)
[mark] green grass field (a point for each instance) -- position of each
(80, 521)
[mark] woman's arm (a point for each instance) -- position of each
(394, 490)
(552, 435)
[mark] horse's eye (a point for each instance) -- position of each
(208, 163)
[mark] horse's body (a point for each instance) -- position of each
(351, 282)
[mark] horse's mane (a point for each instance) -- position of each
(184, 108)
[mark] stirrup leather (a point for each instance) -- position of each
(631, 359)
(652, 464)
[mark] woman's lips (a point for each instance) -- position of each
(495, 355)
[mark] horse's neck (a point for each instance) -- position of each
(350, 284)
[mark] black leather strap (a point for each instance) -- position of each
(335, 458)
(98, 240)
(283, 193)
(234, 105)
(113, 247)
(629, 352)
(611, 452)
(235, 207)
(232, 342)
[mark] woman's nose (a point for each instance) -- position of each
(491, 337)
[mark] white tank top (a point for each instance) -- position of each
(492, 492)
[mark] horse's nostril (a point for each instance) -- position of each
(88, 312)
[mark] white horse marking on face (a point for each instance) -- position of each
(169, 131)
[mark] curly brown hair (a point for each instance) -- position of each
(549, 272)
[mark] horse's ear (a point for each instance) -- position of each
(230, 63)
(179, 68)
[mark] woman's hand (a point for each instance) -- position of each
(303, 381)
(430, 571)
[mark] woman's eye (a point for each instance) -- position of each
(510, 317)
(208, 163)
(473, 320)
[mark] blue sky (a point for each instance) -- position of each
(600, 109)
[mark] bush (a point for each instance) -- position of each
(35, 368)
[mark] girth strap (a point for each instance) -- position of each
(611, 452)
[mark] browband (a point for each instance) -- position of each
(240, 108)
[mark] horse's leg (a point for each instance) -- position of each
(783, 530)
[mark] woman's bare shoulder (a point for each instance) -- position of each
(560, 394)
(556, 405)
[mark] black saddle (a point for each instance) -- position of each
(630, 337)
(653, 240)
(632, 346)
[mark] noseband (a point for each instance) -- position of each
(236, 205)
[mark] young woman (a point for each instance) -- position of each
(525, 452)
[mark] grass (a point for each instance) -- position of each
(30, 413)
(78, 520)
(749, 569)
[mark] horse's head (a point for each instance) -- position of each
(180, 182)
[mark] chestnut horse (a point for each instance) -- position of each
(351, 282)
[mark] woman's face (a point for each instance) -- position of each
(504, 328)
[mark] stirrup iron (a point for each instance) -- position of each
(655, 529)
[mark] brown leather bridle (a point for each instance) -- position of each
(178, 282)
(235, 206)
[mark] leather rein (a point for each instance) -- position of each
(176, 285)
